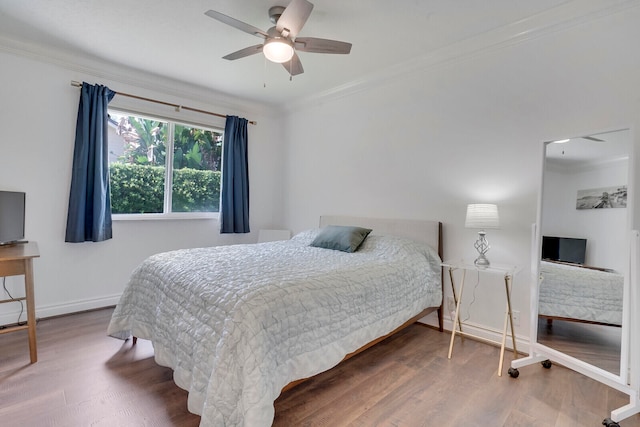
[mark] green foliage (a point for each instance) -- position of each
(140, 189)
(195, 191)
(150, 146)
(196, 148)
(194, 158)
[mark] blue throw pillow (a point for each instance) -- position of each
(341, 238)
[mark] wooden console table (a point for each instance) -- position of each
(17, 260)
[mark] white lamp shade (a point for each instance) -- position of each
(482, 215)
(278, 50)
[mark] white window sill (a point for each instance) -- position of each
(160, 216)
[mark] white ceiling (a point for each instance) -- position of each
(589, 150)
(174, 39)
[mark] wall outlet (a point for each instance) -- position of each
(516, 317)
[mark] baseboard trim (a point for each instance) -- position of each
(54, 310)
(484, 334)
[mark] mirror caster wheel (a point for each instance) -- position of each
(513, 372)
(610, 423)
(546, 364)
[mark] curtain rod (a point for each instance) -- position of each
(176, 106)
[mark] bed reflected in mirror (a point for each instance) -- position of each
(584, 252)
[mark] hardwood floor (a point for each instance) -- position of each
(598, 345)
(84, 378)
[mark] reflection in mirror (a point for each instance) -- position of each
(584, 252)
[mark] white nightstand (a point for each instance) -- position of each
(507, 271)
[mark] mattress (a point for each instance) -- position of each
(580, 293)
(237, 323)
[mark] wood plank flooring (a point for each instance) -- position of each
(598, 345)
(84, 378)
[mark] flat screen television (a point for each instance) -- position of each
(564, 249)
(12, 205)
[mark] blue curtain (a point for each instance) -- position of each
(89, 214)
(234, 205)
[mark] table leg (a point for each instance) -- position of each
(31, 312)
(508, 282)
(456, 319)
(455, 297)
(508, 320)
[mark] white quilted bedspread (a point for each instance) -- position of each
(580, 293)
(237, 323)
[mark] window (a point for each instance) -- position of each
(163, 168)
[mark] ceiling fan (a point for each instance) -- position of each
(281, 41)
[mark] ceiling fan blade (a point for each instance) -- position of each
(315, 45)
(250, 29)
(293, 66)
(247, 51)
(294, 17)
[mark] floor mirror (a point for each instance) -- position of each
(582, 242)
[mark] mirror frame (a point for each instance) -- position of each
(539, 352)
(620, 149)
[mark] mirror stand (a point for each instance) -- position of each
(629, 382)
(584, 289)
(634, 333)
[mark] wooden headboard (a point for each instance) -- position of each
(429, 232)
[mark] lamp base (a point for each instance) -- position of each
(482, 261)
(482, 246)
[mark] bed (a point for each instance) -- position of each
(574, 293)
(240, 323)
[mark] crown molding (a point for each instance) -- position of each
(551, 21)
(101, 69)
(586, 166)
(561, 18)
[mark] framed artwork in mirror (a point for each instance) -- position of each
(602, 198)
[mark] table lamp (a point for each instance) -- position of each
(482, 216)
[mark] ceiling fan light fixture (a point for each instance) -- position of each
(278, 50)
(281, 43)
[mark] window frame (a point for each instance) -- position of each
(168, 164)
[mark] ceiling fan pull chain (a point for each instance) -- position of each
(264, 73)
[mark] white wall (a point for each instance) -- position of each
(606, 230)
(471, 129)
(38, 109)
